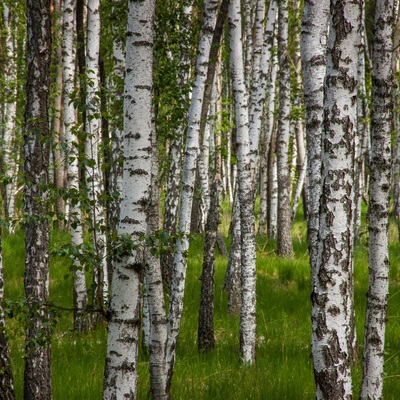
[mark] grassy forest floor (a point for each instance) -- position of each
(283, 369)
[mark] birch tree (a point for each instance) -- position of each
(10, 152)
(188, 181)
(378, 259)
(37, 374)
(245, 192)
(313, 44)
(285, 246)
(268, 70)
(94, 177)
(332, 292)
(71, 140)
(123, 330)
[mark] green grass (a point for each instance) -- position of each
(283, 369)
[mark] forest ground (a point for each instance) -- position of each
(283, 369)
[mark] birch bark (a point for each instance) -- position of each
(268, 70)
(188, 180)
(247, 339)
(378, 260)
(313, 44)
(75, 215)
(94, 176)
(10, 153)
(333, 284)
(123, 330)
(37, 374)
(285, 247)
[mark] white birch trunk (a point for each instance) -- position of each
(188, 181)
(333, 284)
(94, 177)
(116, 128)
(123, 330)
(246, 199)
(378, 260)
(155, 295)
(257, 89)
(313, 58)
(268, 77)
(10, 151)
(75, 215)
(285, 247)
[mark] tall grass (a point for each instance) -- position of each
(283, 369)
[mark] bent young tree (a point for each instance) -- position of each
(188, 181)
(378, 259)
(332, 292)
(37, 376)
(247, 339)
(123, 331)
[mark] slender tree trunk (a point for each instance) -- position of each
(59, 167)
(6, 379)
(206, 340)
(268, 78)
(37, 375)
(123, 330)
(155, 295)
(188, 180)
(233, 270)
(10, 151)
(94, 179)
(174, 174)
(313, 58)
(285, 247)
(333, 284)
(382, 116)
(247, 348)
(72, 156)
(272, 189)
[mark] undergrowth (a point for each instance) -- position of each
(283, 368)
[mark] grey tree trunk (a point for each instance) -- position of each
(247, 348)
(379, 192)
(81, 321)
(313, 44)
(37, 374)
(120, 380)
(155, 295)
(333, 284)
(268, 70)
(59, 165)
(205, 332)
(285, 246)
(93, 150)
